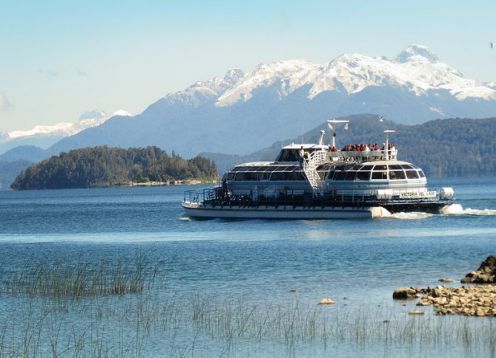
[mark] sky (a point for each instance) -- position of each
(59, 59)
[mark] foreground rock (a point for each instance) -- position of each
(405, 293)
(468, 301)
(486, 273)
(474, 300)
(326, 301)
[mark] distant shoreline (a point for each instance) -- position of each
(168, 183)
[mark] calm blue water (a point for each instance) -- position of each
(257, 261)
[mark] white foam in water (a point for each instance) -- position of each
(185, 218)
(411, 215)
(380, 212)
(457, 209)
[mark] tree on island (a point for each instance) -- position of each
(103, 166)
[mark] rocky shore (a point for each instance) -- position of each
(477, 299)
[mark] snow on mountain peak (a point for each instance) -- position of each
(416, 69)
(417, 52)
(121, 113)
(204, 91)
(290, 75)
(86, 120)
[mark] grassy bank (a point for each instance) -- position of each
(124, 309)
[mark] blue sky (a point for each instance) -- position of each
(59, 59)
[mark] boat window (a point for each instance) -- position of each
(288, 155)
(362, 175)
(355, 167)
(382, 174)
(240, 176)
(411, 174)
(269, 169)
(340, 167)
(396, 174)
(330, 175)
(264, 176)
(350, 175)
(322, 174)
(394, 167)
(246, 176)
(407, 166)
(278, 176)
(339, 175)
(421, 173)
(230, 175)
(380, 167)
(297, 176)
(367, 167)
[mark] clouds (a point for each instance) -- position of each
(54, 73)
(4, 103)
(48, 72)
(81, 73)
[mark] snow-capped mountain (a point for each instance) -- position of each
(241, 112)
(64, 129)
(415, 69)
(44, 136)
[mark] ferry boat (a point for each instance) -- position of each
(319, 181)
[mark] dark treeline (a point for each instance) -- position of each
(104, 166)
(443, 148)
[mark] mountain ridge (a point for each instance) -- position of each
(436, 145)
(240, 112)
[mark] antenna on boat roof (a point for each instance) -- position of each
(321, 138)
(386, 145)
(332, 123)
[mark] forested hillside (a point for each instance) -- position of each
(447, 147)
(104, 166)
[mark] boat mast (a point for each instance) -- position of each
(386, 146)
(321, 138)
(332, 123)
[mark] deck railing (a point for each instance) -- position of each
(370, 155)
(217, 197)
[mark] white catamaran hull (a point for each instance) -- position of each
(282, 212)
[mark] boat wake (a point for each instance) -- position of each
(449, 210)
(458, 210)
(414, 215)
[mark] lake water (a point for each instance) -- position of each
(241, 271)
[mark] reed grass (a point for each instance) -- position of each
(64, 280)
(125, 313)
(146, 324)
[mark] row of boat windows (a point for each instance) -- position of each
(242, 176)
(268, 168)
(324, 167)
(376, 175)
(332, 175)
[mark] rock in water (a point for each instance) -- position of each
(446, 280)
(405, 293)
(485, 274)
(326, 301)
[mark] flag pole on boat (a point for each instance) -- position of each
(332, 123)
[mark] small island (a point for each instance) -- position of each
(102, 166)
